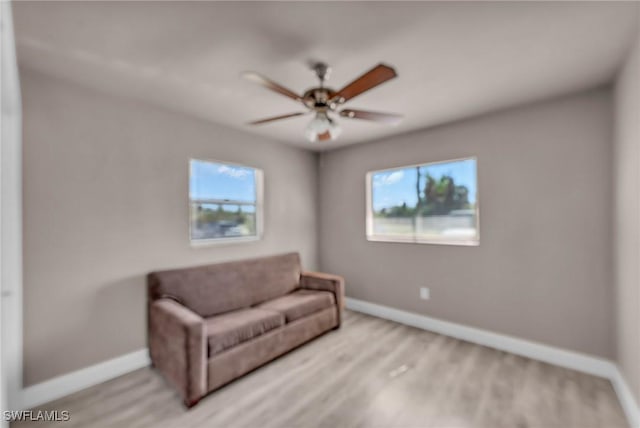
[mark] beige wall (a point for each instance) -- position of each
(627, 219)
(105, 202)
(543, 270)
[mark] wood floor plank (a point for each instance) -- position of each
(369, 373)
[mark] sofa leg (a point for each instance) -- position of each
(190, 403)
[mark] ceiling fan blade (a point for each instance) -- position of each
(372, 78)
(390, 118)
(271, 119)
(270, 84)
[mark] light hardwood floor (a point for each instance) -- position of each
(370, 373)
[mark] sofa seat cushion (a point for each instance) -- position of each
(300, 303)
(227, 330)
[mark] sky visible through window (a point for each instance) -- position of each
(210, 180)
(395, 187)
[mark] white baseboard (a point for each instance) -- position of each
(69, 383)
(628, 402)
(549, 354)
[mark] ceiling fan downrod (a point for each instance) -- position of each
(322, 71)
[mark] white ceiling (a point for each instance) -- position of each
(454, 59)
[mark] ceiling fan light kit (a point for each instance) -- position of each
(324, 102)
(322, 128)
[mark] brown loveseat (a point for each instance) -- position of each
(211, 324)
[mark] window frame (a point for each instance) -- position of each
(369, 211)
(259, 206)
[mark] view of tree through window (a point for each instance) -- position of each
(223, 200)
(434, 202)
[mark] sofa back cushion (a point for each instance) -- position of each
(223, 287)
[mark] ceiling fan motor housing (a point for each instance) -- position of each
(319, 99)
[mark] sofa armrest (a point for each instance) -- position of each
(177, 346)
(325, 282)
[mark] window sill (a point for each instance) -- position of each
(222, 241)
(401, 240)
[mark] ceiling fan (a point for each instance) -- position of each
(325, 102)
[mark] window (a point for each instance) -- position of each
(434, 203)
(224, 201)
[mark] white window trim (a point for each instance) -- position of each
(371, 237)
(259, 185)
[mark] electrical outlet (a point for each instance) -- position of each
(425, 294)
